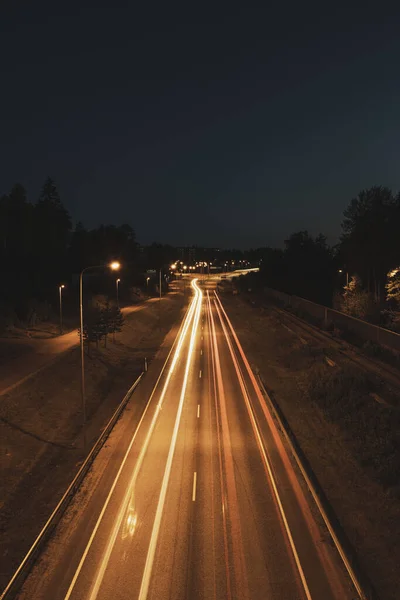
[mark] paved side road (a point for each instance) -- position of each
(36, 354)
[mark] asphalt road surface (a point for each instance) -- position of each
(197, 500)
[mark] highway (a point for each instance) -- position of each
(199, 499)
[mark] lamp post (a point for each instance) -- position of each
(117, 282)
(114, 266)
(60, 288)
(147, 284)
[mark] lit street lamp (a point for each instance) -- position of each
(117, 282)
(147, 283)
(114, 266)
(60, 288)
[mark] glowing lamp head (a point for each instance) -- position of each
(115, 266)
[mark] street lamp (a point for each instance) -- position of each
(117, 282)
(114, 266)
(147, 283)
(60, 288)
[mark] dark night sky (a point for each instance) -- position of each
(217, 128)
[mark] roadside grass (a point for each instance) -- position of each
(372, 430)
(381, 353)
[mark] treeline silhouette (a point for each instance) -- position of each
(39, 250)
(361, 274)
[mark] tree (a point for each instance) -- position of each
(52, 232)
(392, 313)
(116, 320)
(309, 267)
(370, 240)
(15, 223)
(93, 326)
(53, 218)
(393, 287)
(16, 259)
(111, 321)
(357, 302)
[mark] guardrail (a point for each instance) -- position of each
(26, 565)
(361, 582)
(327, 316)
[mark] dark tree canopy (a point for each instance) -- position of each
(371, 241)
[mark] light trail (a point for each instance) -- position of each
(144, 588)
(213, 379)
(236, 533)
(265, 458)
(99, 576)
(303, 504)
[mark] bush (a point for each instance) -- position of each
(372, 429)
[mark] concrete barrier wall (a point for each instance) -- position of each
(327, 316)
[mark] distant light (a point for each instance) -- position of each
(118, 280)
(62, 286)
(115, 266)
(340, 271)
(173, 267)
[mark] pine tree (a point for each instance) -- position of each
(393, 287)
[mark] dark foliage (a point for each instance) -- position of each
(305, 268)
